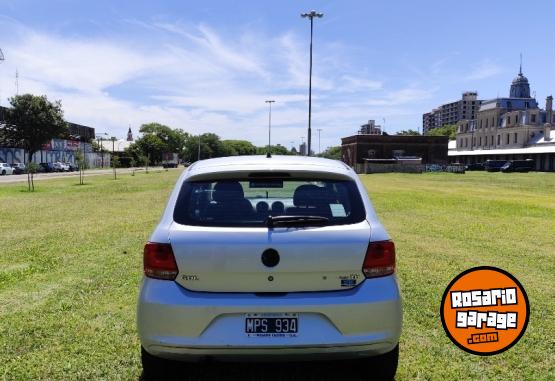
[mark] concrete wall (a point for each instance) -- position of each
(56, 150)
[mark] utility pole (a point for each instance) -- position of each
(2, 59)
(269, 154)
(311, 16)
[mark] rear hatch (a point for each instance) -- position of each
(269, 234)
(231, 259)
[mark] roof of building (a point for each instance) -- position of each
(275, 163)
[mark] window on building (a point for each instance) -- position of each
(498, 139)
(493, 121)
(508, 120)
(515, 140)
(533, 116)
(491, 139)
(508, 137)
(480, 123)
(480, 141)
(526, 104)
(487, 123)
(509, 105)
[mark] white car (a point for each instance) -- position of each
(61, 167)
(273, 259)
(6, 169)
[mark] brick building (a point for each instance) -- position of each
(432, 149)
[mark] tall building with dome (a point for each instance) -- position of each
(520, 88)
(510, 128)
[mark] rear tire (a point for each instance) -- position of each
(382, 367)
(156, 368)
(3, 173)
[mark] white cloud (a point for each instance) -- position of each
(485, 69)
(193, 77)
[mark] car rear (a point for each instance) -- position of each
(272, 262)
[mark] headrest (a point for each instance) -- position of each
(262, 207)
(225, 191)
(311, 195)
(278, 207)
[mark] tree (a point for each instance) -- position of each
(238, 147)
(210, 146)
(32, 121)
(151, 145)
(448, 130)
(333, 153)
(276, 150)
(409, 132)
(115, 163)
(174, 140)
(80, 159)
(31, 170)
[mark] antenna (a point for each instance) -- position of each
(520, 72)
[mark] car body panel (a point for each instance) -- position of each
(311, 258)
(175, 321)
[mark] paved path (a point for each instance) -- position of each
(57, 175)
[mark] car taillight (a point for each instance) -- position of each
(379, 259)
(159, 261)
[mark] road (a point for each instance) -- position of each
(57, 175)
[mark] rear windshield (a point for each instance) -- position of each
(249, 203)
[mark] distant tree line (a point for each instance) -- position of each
(158, 139)
(448, 130)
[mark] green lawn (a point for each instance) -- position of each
(70, 265)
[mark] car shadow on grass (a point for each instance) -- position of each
(351, 370)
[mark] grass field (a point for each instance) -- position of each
(70, 265)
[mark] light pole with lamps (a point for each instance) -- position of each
(269, 154)
(1, 60)
(311, 16)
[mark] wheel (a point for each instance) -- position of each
(155, 368)
(3, 172)
(382, 367)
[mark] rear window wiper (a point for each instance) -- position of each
(272, 221)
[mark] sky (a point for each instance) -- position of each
(209, 66)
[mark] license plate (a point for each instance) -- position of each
(272, 324)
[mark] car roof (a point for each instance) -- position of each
(276, 163)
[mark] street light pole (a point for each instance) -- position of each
(311, 16)
(319, 148)
(269, 154)
(1, 60)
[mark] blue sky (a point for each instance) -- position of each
(209, 66)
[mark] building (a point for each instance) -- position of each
(357, 149)
(61, 148)
(510, 128)
(370, 128)
(302, 149)
(451, 113)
